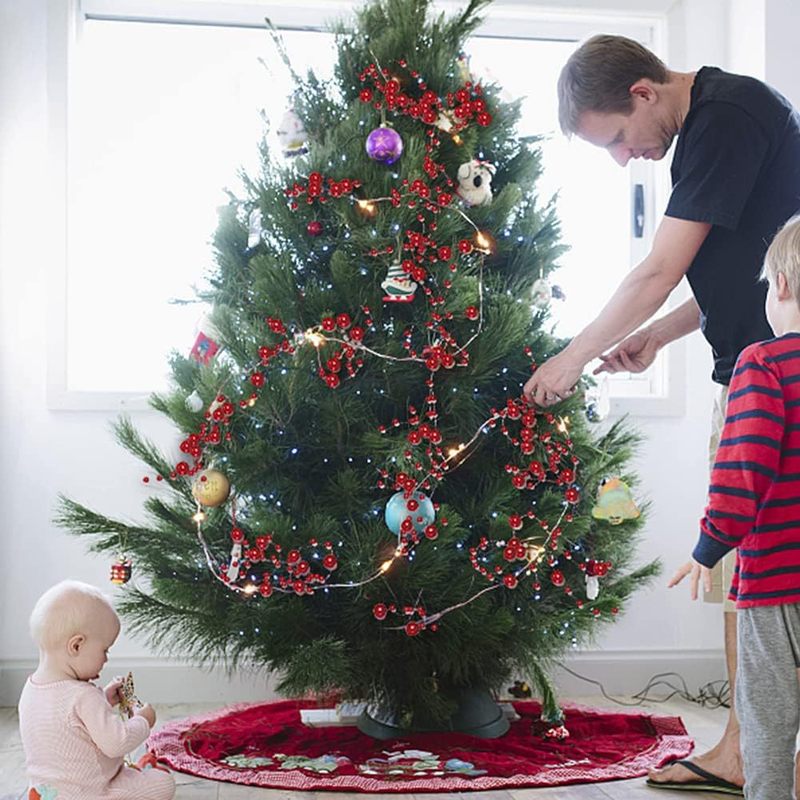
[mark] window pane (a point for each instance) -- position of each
(165, 116)
(593, 191)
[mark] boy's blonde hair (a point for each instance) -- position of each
(64, 610)
(783, 256)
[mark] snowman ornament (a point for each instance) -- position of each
(475, 182)
(292, 135)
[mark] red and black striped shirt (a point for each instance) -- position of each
(754, 496)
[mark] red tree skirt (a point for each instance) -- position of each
(267, 745)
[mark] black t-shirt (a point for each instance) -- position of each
(737, 166)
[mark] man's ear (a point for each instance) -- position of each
(74, 644)
(644, 90)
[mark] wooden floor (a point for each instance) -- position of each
(703, 724)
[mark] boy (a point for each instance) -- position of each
(74, 740)
(754, 506)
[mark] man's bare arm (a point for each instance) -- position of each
(645, 289)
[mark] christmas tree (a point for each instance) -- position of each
(366, 505)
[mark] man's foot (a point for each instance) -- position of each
(722, 762)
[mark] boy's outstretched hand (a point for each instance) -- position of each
(696, 572)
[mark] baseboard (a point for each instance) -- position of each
(621, 672)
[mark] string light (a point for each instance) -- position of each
(314, 337)
(485, 242)
(367, 208)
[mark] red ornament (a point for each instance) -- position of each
(557, 578)
(379, 611)
(121, 571)
(471, 312)
(257, 379)
(356, 333)
(465, 246)
(431, 532)
(510, 581)
(265, 590)
(237, 535)
(413, 628)
(332, 381)
(343, 321)
(314, 228)
(329, 324)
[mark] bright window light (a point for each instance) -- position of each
(593, 192)
(165, 116)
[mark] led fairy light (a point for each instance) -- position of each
(482, 245)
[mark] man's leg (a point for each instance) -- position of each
(724, 759)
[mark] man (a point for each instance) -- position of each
(735, 181)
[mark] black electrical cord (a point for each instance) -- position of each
(715, 694)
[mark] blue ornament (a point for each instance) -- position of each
(397, 510)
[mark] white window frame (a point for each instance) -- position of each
(666, 395)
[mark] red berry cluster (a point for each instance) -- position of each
(556, 462)
(387, 92)
(288, 573)
(319, 188)
(596, 568)
(467, 103)
(416, 617)
(221, 411)
(345, 356)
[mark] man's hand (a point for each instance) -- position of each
(634, 354)
(697, 572)
(554, 380)
(112, 691)
(148, 712)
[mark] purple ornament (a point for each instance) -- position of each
(384, 145)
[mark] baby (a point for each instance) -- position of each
(73, 738)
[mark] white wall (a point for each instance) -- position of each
(44, 453)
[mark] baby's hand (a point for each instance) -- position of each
(112, 691)
(148, 712)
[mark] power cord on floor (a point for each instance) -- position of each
(715, 694)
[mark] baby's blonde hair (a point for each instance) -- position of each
(783, 256)
(64, 610)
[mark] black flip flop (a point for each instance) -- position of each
(708, 782)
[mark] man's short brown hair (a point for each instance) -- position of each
(598, 77)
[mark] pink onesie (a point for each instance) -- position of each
(75, 742)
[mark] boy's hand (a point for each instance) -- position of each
(112, 691)
(697, 572)
(148, 712)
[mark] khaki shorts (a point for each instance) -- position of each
(722, 574)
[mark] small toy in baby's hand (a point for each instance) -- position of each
(128, 701)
